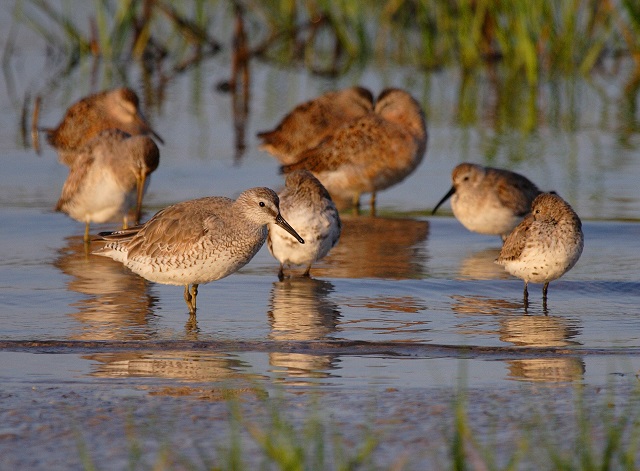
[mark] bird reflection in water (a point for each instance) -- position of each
(183, 365)
(543, 331)
(482, 266)
(377, 247)
(116, 304)
(508, 323)
(301, 310)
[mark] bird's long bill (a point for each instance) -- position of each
(444, 198)
(143, 122)
(285, 225)
(141, 181)
(156, 135)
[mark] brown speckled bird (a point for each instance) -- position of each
(85, 119)
(108, 178)
(545, 245)
(489, 200)
(370, 153)
(197, 241)
(310, 122)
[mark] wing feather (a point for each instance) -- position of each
(516, 241)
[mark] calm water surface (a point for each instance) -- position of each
(405, 283)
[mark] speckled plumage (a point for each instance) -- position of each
(310, 122)
(370, 153)
(85, 119)
(545, 245)
(108, 178)
(489, 200)
(307, 205)
(197, 241)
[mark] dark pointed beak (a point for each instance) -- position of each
(140, 193)
(285, 225)
(444, 198)
(156, 135)
(145, 125)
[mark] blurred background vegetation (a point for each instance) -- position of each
(527, 55)
(527, 38)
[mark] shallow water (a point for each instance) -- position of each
(406, 300)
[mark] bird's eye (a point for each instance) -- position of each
(466, 179)
(261, 204)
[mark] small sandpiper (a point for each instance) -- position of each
(307, 205)
(197, 241)
(489, 200)
(370, 153)
(108, 178)
(112, 109)
(545, 245)
(310, 122)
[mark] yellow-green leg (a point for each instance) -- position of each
(373, 203)
(356, 204)
(86, 233)
(190, 297)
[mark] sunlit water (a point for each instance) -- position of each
(409, 286)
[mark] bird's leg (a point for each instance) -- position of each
(194, 295)
(125, 221)
(545, 288)
(187, 296)
(373, 204)
(307, 272)
(281, 272)
(356, 204)
(86, 234)
(526, 295)
(190, 298)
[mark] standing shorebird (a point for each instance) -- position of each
(489, 200)
(197, 241)
(109, 177)
(85, 119)
(370, 153)
(307, 205)
(310, 122)
(545, 245)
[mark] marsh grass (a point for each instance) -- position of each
(603, 437)
(316, 443)
(602, 433)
